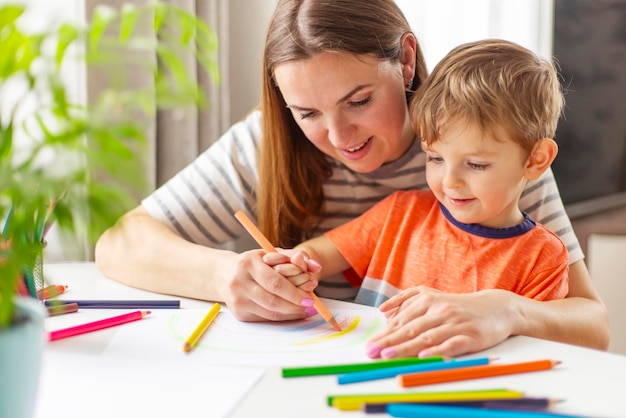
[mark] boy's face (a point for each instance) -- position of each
(477, 178)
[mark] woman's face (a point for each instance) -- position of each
(351, 107)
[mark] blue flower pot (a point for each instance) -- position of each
(21, 351)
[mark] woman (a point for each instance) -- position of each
(334, 138)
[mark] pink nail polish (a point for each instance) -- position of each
(306, 302)
(310, 311)
(388, 352)
(314, 262)
(372, 350)
(424, 353)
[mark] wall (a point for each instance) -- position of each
(247, 24)
(590, 47)
(606, 215)
(607, 265)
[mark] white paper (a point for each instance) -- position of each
(118, 386)
(231, 342)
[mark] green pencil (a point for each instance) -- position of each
(356, 367)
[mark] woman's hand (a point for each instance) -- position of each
(256, 291)
(426, 322)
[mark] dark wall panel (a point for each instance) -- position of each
(590, 47)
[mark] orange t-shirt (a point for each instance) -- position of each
(409, 239)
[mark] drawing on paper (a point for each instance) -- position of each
(312, 335)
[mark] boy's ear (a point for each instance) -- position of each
(542, 155)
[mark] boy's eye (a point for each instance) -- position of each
(434, 159)
(475, 166)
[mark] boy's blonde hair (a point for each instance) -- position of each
(491, 83)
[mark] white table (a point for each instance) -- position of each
(590, 382)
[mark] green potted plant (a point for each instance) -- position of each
(75, 164)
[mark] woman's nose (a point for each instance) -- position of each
(340, 132)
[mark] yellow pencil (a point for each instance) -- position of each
(268, 247)
(357, 402)
(201, 328)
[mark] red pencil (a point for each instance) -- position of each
(474, 372)
(21, 287)
(96, 325)
(51, 291)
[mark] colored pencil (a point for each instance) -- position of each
(201, 328)
(437, 411)
(368, 375)
(268, 247)
(61, 309)
(358, 401)
(119, 304)
(21, 286)
(356, 367)
(51, 291)
(475, 372)
(97, 325)
(514, 404)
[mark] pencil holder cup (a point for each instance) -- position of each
(33, 275)
(21, 352)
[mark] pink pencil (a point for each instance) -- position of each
(96, 325)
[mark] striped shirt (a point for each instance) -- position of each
(199, 202)
(391, 256)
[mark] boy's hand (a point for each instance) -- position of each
(296, 266)
(425, 322)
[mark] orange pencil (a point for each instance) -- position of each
(268, 247)
(51, 291)
(474, 372)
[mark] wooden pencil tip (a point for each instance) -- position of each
(334, 323)
(186, 347)
(145, 313)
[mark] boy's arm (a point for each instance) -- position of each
(322, 250)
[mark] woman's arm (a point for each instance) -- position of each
(425, 322)
(581, 318)
(142, 252)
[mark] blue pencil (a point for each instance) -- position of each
(435, 411)
(368, 375)
(119, 304)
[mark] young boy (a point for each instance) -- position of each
(486, 117)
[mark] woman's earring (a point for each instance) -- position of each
(409, 84)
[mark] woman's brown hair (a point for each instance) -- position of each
(291, 169)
